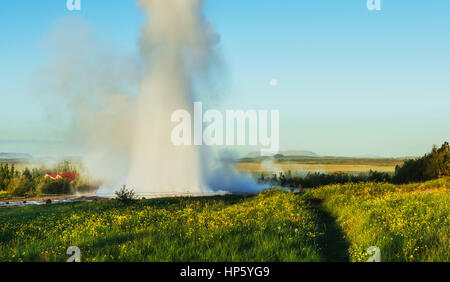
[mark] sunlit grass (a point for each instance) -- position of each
(408, 222)
(272, 226)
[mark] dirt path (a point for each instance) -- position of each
(334, 246)
(41, 200)
(58, 197)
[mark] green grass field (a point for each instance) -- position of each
(272, 226)
(408, 223)
(331, 223)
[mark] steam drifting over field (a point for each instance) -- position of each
(121, 106)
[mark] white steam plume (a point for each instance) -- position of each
(121, 109)
(177, 43)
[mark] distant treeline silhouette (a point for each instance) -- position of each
(316, 179)
(433, 165)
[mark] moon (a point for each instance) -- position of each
(273, 82)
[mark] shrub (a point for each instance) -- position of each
(125, 196)
(4, 195)
(83, 185)
(20, 186)
(54, 186)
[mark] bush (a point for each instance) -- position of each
(4, 195)
(19, 187)
(125, 196)
(54, 186)
(83, 185)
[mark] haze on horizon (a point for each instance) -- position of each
(347, 81)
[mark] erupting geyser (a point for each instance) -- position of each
(125, 135)
(176, 48)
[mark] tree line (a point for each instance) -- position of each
(433, 165)
(316, 179)
(32, 182)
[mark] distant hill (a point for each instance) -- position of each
(287, 154)
(14, 156)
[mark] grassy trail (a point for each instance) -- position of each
(408, 223)
(333, 244)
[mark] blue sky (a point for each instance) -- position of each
(350, 81)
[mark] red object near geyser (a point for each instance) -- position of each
(69, 176)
